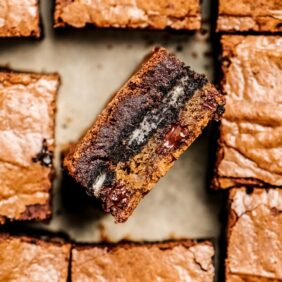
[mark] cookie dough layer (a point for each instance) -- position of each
(254, 250)
(175, 261)
(27, 140)
(250, 148)
(19, 18)
(242, 15)
(154, 118)
(177, 14)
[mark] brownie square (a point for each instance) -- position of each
(250, 148)
(146, 262)
(19, 18)
(254, 250)
(142, 131)
(34, 260)
(27, 140)
(249, 15)
(154, 14)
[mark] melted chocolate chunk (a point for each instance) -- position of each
(115, 198)
(175, 136)
(45, 157)
(209, 102)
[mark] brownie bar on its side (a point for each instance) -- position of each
(168, 261)
(250, 147)
(254, 248)
(19, 18)
(177, 14)
(27, 129)
(34, 260)
(249, 15)
(148, 124)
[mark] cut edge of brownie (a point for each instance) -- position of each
(36, 239)
(162, 245)
(259, 24)
(231, 221)
(163, 74)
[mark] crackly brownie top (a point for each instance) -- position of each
(144, 262)
(251, 130)
(19, 18)
(254, 237)
(33, 260)
(155, 14)
(242, 15)
(27, 113)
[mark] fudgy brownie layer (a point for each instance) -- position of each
(19, 18)
(250, 149)
(242, 15)
(28, 259)
(27, 141)
(172, 261)
(254, 235)
(177, 14)
(142, 131)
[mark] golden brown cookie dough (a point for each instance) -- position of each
(177, 14)
(27, 140)
(33, 260)
(19, 18)
(254, 251)
(249, 15)
(250, 147)
(173, 261)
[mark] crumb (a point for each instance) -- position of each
(179, 48)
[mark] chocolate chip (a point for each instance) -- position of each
(219, 112)
(175, 136)
(45, 157)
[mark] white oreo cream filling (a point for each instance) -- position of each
(152, 121)
(97, 185)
